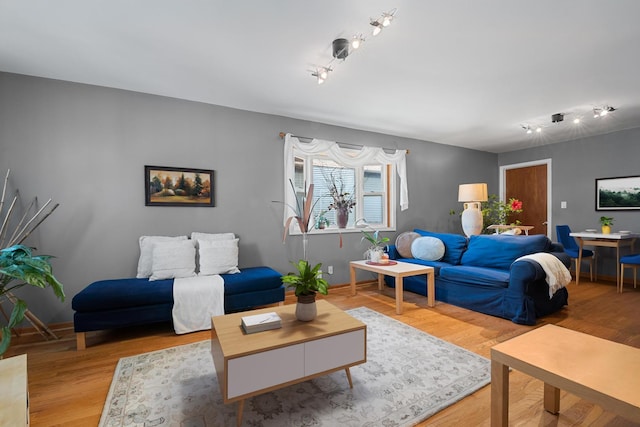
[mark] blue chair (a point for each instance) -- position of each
(572, 249)
(628, 261)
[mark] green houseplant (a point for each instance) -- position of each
(19, 267)
(375, 251)
(306, 282)
(606, 222)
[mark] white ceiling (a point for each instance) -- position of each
(460, 72)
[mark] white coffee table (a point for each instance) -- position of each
(249, 365)
(399, 270)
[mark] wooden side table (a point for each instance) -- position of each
(399, 270)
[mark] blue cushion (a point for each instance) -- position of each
(499, 251)
(480, 276)
(251, 279)
(630, 259)
(454, 245)
(427, 248)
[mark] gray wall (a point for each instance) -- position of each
(86, 147)
(575, 166)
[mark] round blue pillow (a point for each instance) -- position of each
(427, 248)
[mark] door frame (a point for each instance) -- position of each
(502, 186)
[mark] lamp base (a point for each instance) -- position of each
(471, 219)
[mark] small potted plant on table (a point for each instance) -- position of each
(606, 223)
(306, 282)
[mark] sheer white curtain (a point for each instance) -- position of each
(365, 156)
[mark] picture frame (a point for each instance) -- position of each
(618, 193)
(175, 186)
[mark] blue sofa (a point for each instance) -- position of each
(480, 274)
(118, 303)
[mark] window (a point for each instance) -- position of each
(370, 185)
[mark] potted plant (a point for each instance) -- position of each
(322, 221)
(19, 267)
(606, 223)
(376, 250)
(306, 282)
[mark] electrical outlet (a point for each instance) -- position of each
(319, 276)
(330, 269)
(563, 205)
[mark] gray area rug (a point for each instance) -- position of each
(409, 376)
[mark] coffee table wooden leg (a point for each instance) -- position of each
(499, 394)
(239, 414)
(380, 281)
(352, 274)
(399, 294)
(551, 398)
(349, 377)
(431, 290)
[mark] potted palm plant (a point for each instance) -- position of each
(306, 282)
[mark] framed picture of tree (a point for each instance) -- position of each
(171, 186)
(618, 194)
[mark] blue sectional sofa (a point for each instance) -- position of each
(480, 274)
(110, 304)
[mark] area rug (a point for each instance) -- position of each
(409, 376)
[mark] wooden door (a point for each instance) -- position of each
(529, 185)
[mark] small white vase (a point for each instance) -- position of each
(306, 309)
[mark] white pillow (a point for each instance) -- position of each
(212, 236)
(218, 257)
(146, 249)
(173, 259)
(428, 248)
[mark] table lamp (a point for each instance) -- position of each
(471, 195)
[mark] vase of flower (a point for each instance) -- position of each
(343, 201)
(342, 217)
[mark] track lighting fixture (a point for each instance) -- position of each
(342, 48)
(559, 117)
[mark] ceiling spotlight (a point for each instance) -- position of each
(527, 128)
(576, 120)
(538, 129)
(383, 21)
(596, 112)
(321, 74)
(356, 41)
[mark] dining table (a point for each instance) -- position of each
(610, 240)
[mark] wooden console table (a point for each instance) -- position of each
(499, 227)
(604, 372)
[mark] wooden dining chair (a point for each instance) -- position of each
(628, 261)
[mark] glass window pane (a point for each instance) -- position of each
(373, 209)
(298, 172)
(325, 174)
(373, 179)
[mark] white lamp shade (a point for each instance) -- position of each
(472, 192)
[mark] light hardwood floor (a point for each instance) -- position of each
(68, 388)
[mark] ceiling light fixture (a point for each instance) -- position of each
(382, 22)
(341, 47)
(598, 111)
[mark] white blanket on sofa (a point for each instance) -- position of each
(195, 301)
(558, 276)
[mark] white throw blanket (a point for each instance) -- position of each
(195, 301)
(558, 276)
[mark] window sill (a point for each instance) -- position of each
(336, 230)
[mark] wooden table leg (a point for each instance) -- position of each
(499, 394)
(239, 413)
(431, 289)
(399, 290)
(352, 274)
(618, 266)
(380, 281)
(580, 242)
(349, 377)
(551, 398)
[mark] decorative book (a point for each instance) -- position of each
(261, 322)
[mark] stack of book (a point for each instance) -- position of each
(261, 322)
